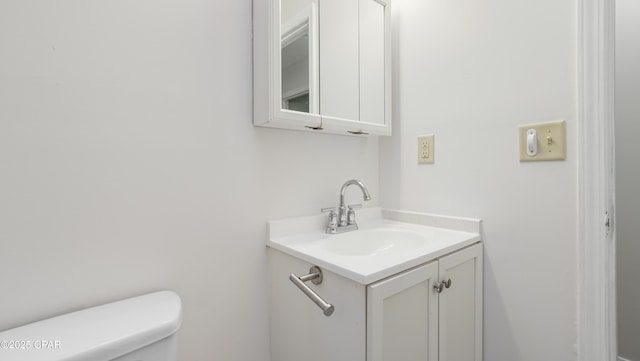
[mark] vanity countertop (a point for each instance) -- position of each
(387, 241)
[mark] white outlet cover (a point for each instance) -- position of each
(426, 149)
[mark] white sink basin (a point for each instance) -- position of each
(377, 241)
(386, 243)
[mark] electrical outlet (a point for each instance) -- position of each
(425, 149)
(542, 141)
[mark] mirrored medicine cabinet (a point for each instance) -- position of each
(323, 65)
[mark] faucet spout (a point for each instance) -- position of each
(342, 208)
(363, 188)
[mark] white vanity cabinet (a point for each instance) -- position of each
(402, 317)
(419, 315)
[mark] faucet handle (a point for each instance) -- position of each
(332, 223)
(351, 215)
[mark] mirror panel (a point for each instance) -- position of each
(299, 83)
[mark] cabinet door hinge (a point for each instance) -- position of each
(608, 223)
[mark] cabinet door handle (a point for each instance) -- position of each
(440, 286)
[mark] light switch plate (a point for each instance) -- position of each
(551, 141)
(425, 149)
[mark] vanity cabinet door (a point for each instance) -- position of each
(460, 314)
(402, 316)
(409, 319)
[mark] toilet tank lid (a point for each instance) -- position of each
(97, 333)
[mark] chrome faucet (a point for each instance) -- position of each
(345, 220)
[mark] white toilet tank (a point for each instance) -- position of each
(136, 329)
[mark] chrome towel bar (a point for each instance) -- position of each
(315, 276)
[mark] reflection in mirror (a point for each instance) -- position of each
(295, 71)
(298, 64)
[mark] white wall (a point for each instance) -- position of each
(628, 176)
(470, 72)
(129, 163)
